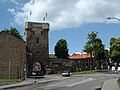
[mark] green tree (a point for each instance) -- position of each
(115, 50)
(94, 46)
(89, 46)
(61, 50)
(13, 31)
(99, 53)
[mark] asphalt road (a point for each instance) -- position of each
(83, 82)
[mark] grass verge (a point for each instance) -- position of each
(10, 80)
(84, 72)
(118, 82)
(78, 73)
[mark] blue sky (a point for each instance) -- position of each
(69, 19)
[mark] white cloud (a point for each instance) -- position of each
(12, 10)
(68, 13)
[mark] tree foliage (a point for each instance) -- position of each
(89, 46)
(94, 46)
(61, 50)
(13, 31)
(115, 49)
(98, 49)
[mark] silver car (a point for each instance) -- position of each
(66, 73)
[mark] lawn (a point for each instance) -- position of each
(78, 73)
(10, 80)
(118, 82)
(84, 72)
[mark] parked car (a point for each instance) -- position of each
(38, 73)
(66, 73)
(33, 73)
(118, 70)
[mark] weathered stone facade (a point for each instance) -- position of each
(12, 57)
(37, 43)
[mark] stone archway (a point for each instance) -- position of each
(38, 69)
(36, 66)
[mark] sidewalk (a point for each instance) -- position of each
(110, 85)
(30, 81)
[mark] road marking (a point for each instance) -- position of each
(61, 78)
(55, 84)
(89, 79)
(102, 77)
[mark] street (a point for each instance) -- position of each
(82, 82)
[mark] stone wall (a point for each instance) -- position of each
(12, 57)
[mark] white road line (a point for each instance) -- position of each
(55, 84)
(89, 79)
(61, 78)
(102, 77)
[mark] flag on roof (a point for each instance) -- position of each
(44, 19)
(46, 14)
(30, 12)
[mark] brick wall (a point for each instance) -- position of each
(12, 57)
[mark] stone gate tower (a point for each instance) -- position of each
(37, 43)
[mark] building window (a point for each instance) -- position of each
(37, 52)
(33, 32)
(37, 40)
(42, 32)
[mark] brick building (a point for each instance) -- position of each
(12, 57)
(83, 61)
(37, 43)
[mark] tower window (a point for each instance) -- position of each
(37, 52)
(42, 32)
(33, 32)
(37, 40)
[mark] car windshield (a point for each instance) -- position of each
(66, 71)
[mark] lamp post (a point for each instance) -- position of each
(118, 20)
(91, 61)
(9, 68)
(10, 65)
(113, 18)
(25, 71)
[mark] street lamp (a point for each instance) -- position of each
(9, 65)
(118, 20)
(25, 71)
(9, 69)
(113, 18)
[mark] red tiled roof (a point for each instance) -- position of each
(80, 56)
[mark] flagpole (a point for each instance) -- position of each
(46, 15)
(29, 15)
(44, 19)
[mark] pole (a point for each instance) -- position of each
(90, 61)
(25, 72)
(9, 69)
